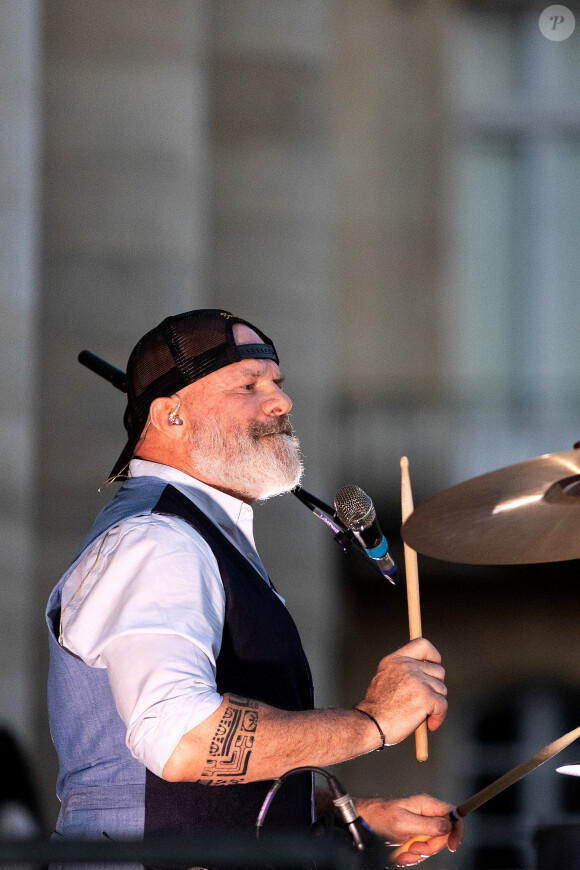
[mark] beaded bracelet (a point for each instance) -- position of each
(372, 718)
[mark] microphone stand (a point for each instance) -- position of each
(105, 370)
(343, 536)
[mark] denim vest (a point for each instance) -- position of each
(102, 787)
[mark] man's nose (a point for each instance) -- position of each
(277, 403)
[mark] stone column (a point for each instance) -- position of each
(19, 138)
(388, 122)
(272, 258)
(125, 232)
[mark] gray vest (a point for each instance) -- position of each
(101, 786)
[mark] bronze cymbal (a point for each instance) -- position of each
(518, 515)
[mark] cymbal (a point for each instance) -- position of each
(570, 769)
(522, 514)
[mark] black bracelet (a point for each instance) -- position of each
(372, 718)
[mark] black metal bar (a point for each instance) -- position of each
(195, 851)
(343, 536)
(312, 501)
(100, 367)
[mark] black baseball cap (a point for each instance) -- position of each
(181, 350)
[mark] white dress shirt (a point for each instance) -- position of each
(147, 603)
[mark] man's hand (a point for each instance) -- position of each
(406, 690)
(398, 821)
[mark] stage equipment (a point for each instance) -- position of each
(413, 600)
(362, 836)
(355, 509)
(570, 769)
(499, 785)
(518, 515)
(354, 521)
(277, 850)
(97, 365)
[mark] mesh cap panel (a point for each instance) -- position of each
(154, 360)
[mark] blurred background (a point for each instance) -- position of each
(391, 190)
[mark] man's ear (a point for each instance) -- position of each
(165, 414)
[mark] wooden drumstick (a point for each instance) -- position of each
(413, 602)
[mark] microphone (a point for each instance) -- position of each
(363, 837)
(355, 509)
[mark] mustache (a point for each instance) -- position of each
(280, 426)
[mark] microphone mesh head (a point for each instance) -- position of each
(354, 508)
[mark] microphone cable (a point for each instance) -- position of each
(363, 837)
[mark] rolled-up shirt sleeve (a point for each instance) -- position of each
(163, 687)
(147, 603)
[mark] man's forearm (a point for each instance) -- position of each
(246, 740)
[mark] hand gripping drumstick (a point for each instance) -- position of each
(499, 785)
(413, 603)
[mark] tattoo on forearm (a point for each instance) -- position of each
(231, 745)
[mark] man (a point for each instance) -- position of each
(178, 687)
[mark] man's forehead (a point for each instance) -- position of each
(256, 368)
(235, 373)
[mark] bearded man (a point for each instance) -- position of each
(178, 686)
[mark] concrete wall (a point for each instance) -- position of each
(20, 81)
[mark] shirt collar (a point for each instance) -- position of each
(226, 510)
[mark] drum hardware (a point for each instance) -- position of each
(522, 514)
(499, 785)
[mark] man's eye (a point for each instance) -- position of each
(248, 387)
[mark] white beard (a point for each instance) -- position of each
(249, 462)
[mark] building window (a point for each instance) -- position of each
(513, 182)
(501, 731)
